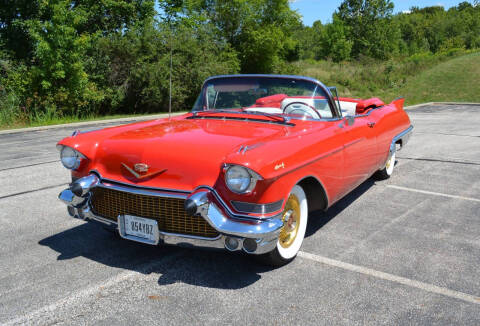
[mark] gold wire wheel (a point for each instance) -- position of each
(389, 162)
(291, 222)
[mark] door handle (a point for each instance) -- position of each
(371, 124)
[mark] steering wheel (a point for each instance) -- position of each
(302, 109)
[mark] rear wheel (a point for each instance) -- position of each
(387, 171)
(295, 218)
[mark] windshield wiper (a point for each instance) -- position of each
(266, 114)
(195, 113)
(274, 117)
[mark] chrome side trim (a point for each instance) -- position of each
(404, 136)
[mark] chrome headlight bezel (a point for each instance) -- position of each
(70, 157)
(233, 178)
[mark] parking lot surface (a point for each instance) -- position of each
(401, 251)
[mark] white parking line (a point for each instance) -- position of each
(433, 193)
(42, 314)
(393, 278)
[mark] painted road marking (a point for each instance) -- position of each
(432, 193)
(78, 297)
(393, 278)
(43, 313)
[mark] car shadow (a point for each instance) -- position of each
(199, 267)
(205, 268)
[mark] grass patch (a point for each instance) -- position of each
(63, 120)
(457, 80)
(448, 76)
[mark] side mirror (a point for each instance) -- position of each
(349, 120)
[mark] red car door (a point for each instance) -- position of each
(360, 150)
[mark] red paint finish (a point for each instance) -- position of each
(184, 153)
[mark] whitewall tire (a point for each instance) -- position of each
(295, 218)
(387, 171)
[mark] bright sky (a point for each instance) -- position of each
(313, 10)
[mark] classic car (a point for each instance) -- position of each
(241, 171)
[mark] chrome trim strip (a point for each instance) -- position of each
(152, 192)
(260, 206)
(236, 215)
(188, 236)
(136, 186)
(322, 156)
(404, 136)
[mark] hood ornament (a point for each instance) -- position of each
(141, 167)
(140, 170)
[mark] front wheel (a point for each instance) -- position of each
(295, 218)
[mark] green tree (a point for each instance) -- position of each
(63, 34)
(261, 31)
(58, 77)
(335, 44)
(136, 65)
(13, 31)
(370, 26)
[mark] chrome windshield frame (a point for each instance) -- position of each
(330, 99)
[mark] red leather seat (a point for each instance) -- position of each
(364, 105)
(270, 101)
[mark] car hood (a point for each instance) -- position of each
(180, 153)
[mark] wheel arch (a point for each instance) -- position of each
(317, 198)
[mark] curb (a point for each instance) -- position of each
(441, 103)
(88, 123)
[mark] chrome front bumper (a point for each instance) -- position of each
(252, 236)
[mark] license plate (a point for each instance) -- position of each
(141, 227)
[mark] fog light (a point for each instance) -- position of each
(249, 245)
(231, 243)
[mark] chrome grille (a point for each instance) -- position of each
(168, 212)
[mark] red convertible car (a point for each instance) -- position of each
(241, 171)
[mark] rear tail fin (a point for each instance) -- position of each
(399, 102)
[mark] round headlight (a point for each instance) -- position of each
(238, 179)
(70, 158)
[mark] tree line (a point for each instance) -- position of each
(82, 57)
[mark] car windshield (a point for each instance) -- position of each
(285, 96)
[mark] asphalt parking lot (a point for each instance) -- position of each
(402, 251)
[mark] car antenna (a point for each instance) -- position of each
(171, 64)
